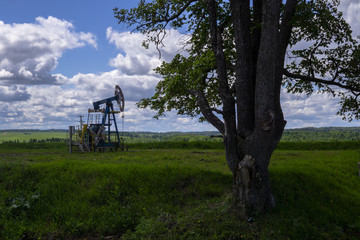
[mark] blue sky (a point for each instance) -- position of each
(57, 57)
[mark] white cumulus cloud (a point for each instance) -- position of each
(136, 59)
(351, 10)
(30, 51)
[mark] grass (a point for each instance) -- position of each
(88, 199)
(26, 136)
(317, 194)
(178, 193)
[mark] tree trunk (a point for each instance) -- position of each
(251, 133)
(252, 186)
(251, 177)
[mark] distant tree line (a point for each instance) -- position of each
(34, 140)
(327, 134)
(310, 134)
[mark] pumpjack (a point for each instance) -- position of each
(96, 134)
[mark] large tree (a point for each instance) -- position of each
(232, 71)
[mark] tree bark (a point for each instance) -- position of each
(207, 111)
(244, 83)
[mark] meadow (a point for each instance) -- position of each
(29, 136)
(173, 190)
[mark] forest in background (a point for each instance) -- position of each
(311, 134)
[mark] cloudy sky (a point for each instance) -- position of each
(57, 57)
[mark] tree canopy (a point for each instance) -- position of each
(329, 62)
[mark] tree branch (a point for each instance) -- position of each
(216, 45)
(244, 82)
(166, 19)
(286, 26)
(151, 21)
(266, 92)
(218, 111)
(284, 38)
(221, 67)
(256, 32)
(207, 111)
(319, 80)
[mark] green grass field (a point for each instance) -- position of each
(182, 191)
(25, 136)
